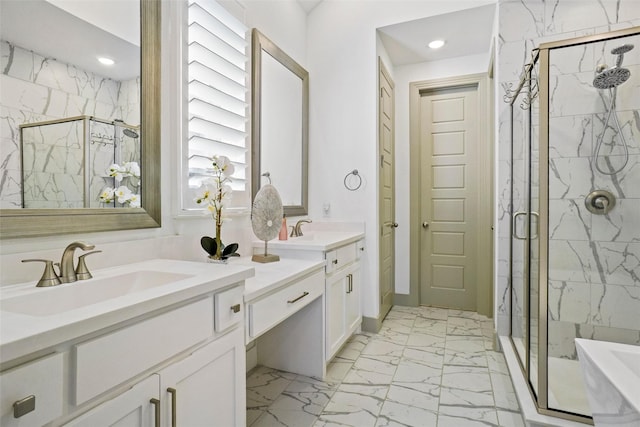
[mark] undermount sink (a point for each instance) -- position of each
(611, 374)
(58, 299)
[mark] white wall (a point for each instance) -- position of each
(343, 67)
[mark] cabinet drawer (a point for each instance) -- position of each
(229, 308)
(272, 309)
(111, 359)
(41, 379)
(340, 257)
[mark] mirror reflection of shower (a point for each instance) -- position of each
(122, 130)
(609, 78)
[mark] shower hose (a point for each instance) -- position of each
(596, 154)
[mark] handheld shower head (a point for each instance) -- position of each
(612, 77)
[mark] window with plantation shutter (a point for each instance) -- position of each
(216, 87)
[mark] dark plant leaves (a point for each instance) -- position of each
(209, 245)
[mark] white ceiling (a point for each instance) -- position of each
(467, 32)
(51, 31)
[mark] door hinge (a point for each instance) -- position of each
(381, 160)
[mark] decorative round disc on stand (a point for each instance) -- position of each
(266, 219)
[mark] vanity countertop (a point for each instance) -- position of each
(315, 240)
(270, 276)
(30, 322)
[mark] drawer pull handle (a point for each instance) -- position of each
(24, 406)
(304, 294)
(235, 308)
(172, 391)
(156, 409)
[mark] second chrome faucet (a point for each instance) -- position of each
(296, 230)
(68, 271)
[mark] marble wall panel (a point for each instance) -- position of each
(562, 336)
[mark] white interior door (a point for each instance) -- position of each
(449, 141)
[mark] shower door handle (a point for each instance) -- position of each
(515, 229)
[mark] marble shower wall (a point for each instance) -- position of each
(523, 25)
(594, 260)
(36, 88)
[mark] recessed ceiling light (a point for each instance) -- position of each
(106, 61)
(436, 44)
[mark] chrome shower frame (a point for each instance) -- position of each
(541, 397)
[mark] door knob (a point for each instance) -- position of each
(392, 224)
(425, 224)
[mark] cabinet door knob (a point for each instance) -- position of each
(335, 261)
(425, 224)
(235, 308)
(24, 406)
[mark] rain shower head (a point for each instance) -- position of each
(610, 78)
(130, 133)
(622, 49)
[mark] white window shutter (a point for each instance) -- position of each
(216, 87)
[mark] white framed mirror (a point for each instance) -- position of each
(27, 222)
(280, 124)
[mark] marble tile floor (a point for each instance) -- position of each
(425, 367)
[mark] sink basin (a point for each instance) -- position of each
(58, 299)
(612, 377)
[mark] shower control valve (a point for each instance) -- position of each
(600, 202)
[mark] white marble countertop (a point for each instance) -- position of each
(22, 334)
(272, 275)
(315, 240)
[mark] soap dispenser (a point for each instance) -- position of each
(283, 229)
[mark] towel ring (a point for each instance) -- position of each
(357, 175)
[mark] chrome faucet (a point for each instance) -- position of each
(296, 231)
(67, 269)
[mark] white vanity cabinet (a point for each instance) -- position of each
(135, 407)
(340, 251)
(343, 308)
(206, 388)
(176, 358)
(203, 389)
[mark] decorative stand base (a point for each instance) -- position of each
(217, 261)
(265, 258)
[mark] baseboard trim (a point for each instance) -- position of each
(371, 324)
(406, 300)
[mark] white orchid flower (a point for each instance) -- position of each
(134, 200)
(116, 171)
(107, 195)
(223, 164)
(132, 168)
(123, 194)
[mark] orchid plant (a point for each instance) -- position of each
(123, 194)
(215, 195)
